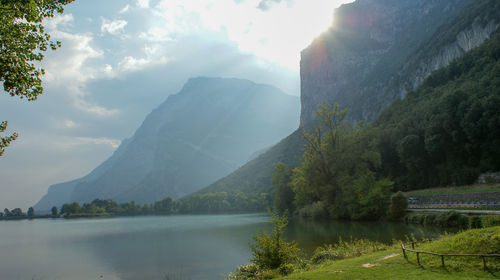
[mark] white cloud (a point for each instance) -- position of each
(113, 27)
(125, 9)
(113, 143)
(94, 109)
(68, 124)
(58, 21)
(275, 34)
(143, 3)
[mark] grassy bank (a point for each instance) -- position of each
(363, 259)
(390, 264)
(385, 265)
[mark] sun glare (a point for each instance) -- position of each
(276, 35)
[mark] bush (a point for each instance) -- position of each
(249, 271)
(491, 221)
(341, 250)
(475, 222)
(316, 210)
(452, 219)
(429, 219)
(286, 269)
(270, 250)
(447, 219)
(397, 209)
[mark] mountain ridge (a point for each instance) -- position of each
(211, 127)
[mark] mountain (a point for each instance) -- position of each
(375, 52)
(208, 129)
(378, 50)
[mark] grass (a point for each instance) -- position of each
(395, 267)
(390, 264)
(477, 188)
(475, 241)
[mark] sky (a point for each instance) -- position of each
(120, 59)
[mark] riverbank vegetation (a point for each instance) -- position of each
(365, 259)
(452, 219)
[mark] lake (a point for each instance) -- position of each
(160, 247)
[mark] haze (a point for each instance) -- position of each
(121, 59)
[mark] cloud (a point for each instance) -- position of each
(113, 143)
(67, 124)
(99, 89)
(113, 27)
(125, 9)
(265, 5)
(143, 3)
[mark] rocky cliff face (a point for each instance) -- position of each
(375, 52)
(378, 50)
(210, 128)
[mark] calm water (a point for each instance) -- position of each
(169, 247)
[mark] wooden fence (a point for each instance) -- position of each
(482, 256)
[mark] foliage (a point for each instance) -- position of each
(5, 141)
(475, 222)
(220, 202)
(31, 212)
(284, 193)
(54, 211)
(491, 221)
(399, 203)
(338, 169)
(164, 206)
(343, 249)
(106, 207)
(23, 40)
(451, 219)
(255, 176)
(316, 210)
(446, 132)
(270, 250)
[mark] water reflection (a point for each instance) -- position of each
(179, 247)
(310, 234)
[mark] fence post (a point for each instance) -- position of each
(404, 252)
(484, 263)
(413, 245)
(442, 260)
(418, 259)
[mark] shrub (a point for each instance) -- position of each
(452, 219)
(429, 219)
(286, 269)
(341, 250)
(249, 271)
(316, 210)
(270, 250)
(397, 209)
(491, 221)
(475, 222)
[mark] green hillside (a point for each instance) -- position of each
(448, 131)
(444, 133)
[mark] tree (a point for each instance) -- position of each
(284, 193)
(5, 141)
(17, 212)
(22, 42)
(399, 203)
(270, 250)
(31, 212)
(54, 211)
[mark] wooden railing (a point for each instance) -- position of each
(482, 256)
